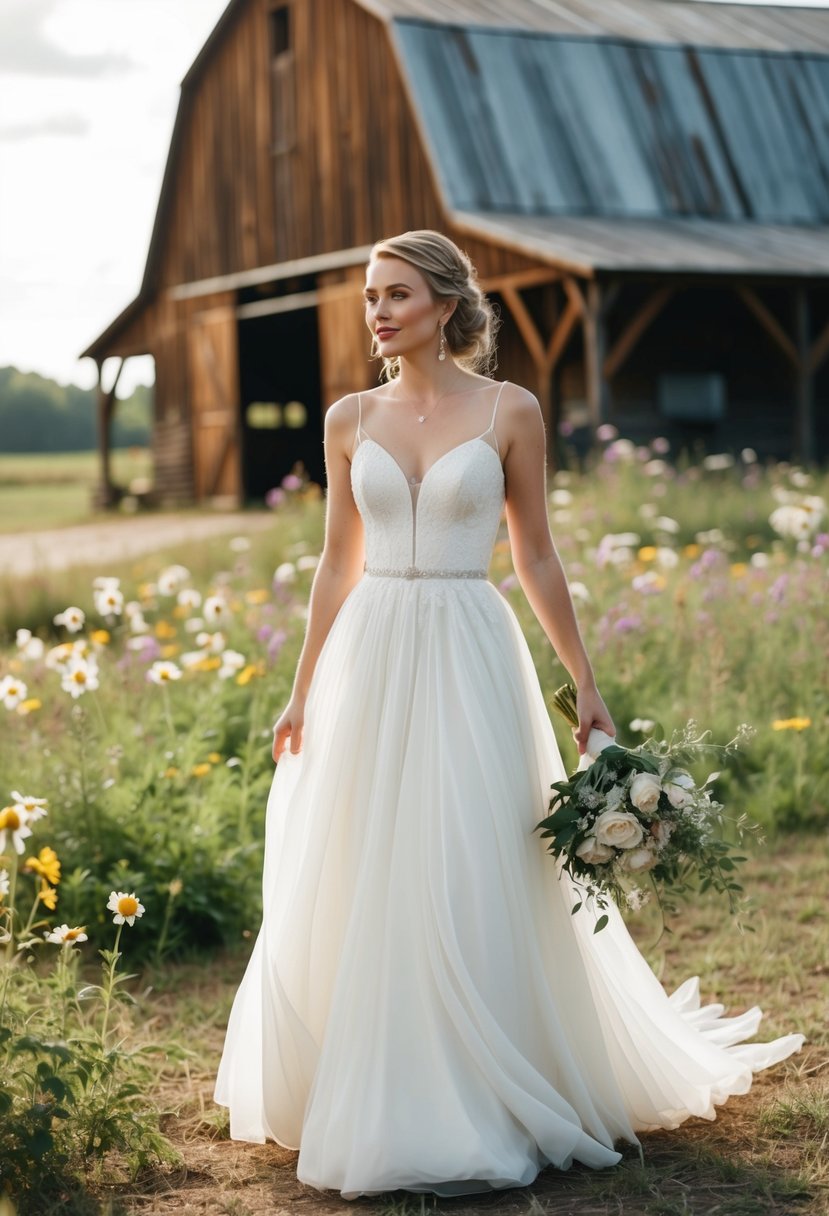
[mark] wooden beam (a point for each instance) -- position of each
(575, 295)
(526, 325)
(272, 274)
(561, 333)
(521, 278)
(770, 323)
(106, 494)
(634, 329)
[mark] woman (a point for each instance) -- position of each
(421, 1010)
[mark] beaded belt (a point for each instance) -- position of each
(414, 572)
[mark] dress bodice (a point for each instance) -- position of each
(448, 522)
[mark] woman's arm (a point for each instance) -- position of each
(339, 569)
(535, 558)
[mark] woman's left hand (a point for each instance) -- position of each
(593, 715)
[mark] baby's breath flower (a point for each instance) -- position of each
(126, 907)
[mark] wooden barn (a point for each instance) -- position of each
(643, 186)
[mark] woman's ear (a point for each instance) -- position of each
(450, 308)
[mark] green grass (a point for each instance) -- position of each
(52, 489)
(764, 1155)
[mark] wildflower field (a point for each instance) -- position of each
(137, 704)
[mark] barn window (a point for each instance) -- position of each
(693, 397)
(283, 94)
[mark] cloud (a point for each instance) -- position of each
(59, 124)
(25, 50)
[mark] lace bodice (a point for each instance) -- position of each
(445, 523)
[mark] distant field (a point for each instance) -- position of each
(47, 489)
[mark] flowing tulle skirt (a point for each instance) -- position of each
(421, 1010)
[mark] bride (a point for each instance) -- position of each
(421, 1010)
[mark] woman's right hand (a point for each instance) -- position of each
(289, 724)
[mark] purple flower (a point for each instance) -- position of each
(627, 624)
(264, 633)
(274, 497)
(777, 591)
(276, 643)
(565, 428)
(660, 445)
(291, 482)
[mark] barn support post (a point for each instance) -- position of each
(804, 356)
(595, 345)
(804, 425)
(106, 494)
(545, 356)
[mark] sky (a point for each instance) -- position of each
(88, 97)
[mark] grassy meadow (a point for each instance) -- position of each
(50, 489)
(144, 719)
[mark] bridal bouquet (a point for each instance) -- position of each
(629, 814)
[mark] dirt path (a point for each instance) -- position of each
(115, 540)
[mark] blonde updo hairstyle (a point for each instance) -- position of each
(450, 275)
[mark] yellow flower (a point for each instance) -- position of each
(181, 611)
(692, 550)
(29, 705)
(212, 663)
(170, 651)
(175, 887)
(172, 771)
(214, 757)
(647, 553)
(201, 770)
(46, 864)
(246, 674)
(101, 637)
(791, 723)
(47, 895)
(259, 595)
(738, 569)
(164, 630)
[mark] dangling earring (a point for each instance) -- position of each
(442, 350)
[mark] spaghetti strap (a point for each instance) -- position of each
(359, 419)
(491, 426)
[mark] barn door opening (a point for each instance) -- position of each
(280, 399)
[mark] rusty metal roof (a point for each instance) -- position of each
(545, 124)
(586, 245)
(689, 22)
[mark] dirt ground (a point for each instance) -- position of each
(120, 539)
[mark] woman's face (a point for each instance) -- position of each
(400, 310)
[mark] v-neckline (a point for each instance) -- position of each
(417, 484)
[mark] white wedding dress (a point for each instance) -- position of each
(421, 1010)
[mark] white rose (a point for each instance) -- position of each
(644, 792)
(593, 853)
(678, 789)
(618, 828)
(637, 861)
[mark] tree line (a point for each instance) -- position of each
(39, 415)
